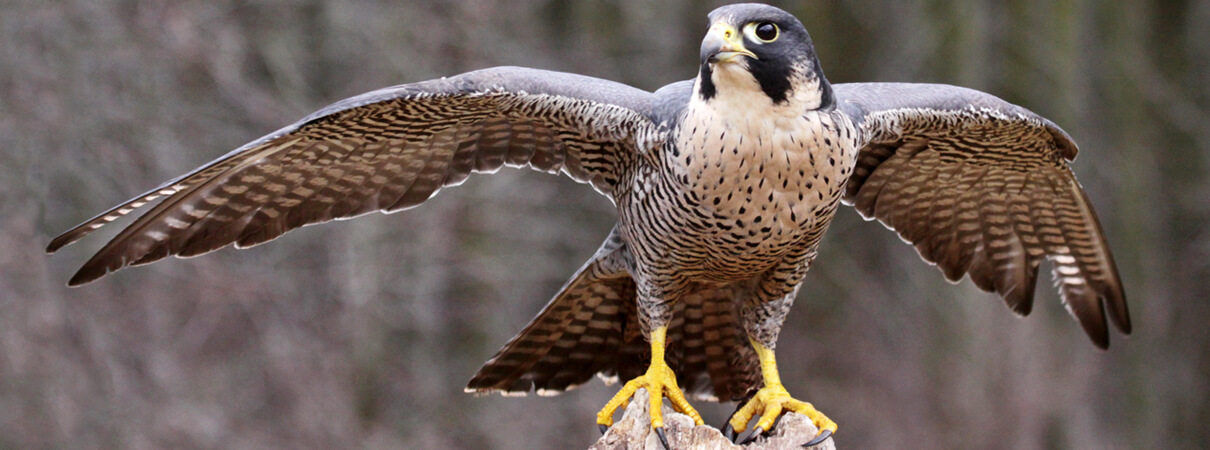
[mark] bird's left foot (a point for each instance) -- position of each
(660, 382)
(769, 403)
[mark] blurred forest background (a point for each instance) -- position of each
(363, 333)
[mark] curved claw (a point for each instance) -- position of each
(659, 431)
(756, 432)
(729, 432)
(602, 427)
(823, 436)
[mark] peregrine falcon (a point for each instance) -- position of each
(724, 186)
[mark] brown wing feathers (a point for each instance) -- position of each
(986, 192)
(591, 327)
(386, 150)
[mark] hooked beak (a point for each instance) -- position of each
(724, 44)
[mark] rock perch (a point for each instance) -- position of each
(633, 432)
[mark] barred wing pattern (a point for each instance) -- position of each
(591, 327)
(982, 187)
(383, 151)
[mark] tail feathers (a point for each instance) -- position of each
(708, 349)
(591, 327)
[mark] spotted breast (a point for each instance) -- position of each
(757, 182)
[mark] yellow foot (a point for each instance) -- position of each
(660, 382)
(770, 402)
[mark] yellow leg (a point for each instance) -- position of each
(772, 399)
(659, 381)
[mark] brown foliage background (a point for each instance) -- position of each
(362, 333)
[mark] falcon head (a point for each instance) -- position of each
(758, 49)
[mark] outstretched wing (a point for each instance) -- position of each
(982, 187)
(382, 151)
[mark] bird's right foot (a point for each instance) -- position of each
(660, 382)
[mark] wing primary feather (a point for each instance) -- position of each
(121, 250)
(990, 197)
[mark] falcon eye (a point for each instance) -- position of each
(766, 32)
(761, 32)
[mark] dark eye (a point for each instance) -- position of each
(766, 31)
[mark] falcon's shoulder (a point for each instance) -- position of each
(670, 102)
(384, 150)
(982, 188)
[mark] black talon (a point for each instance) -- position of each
(659, 431)
(756, 432)
(823, 436)
(729, 432)
(776, 422)
(602, 427)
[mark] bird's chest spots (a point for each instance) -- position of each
(763, 182)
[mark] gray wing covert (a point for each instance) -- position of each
(982, 188)
(385, 150)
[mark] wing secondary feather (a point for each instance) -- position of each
(982, 188)
(385, 150)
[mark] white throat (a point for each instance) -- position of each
(738, 96)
